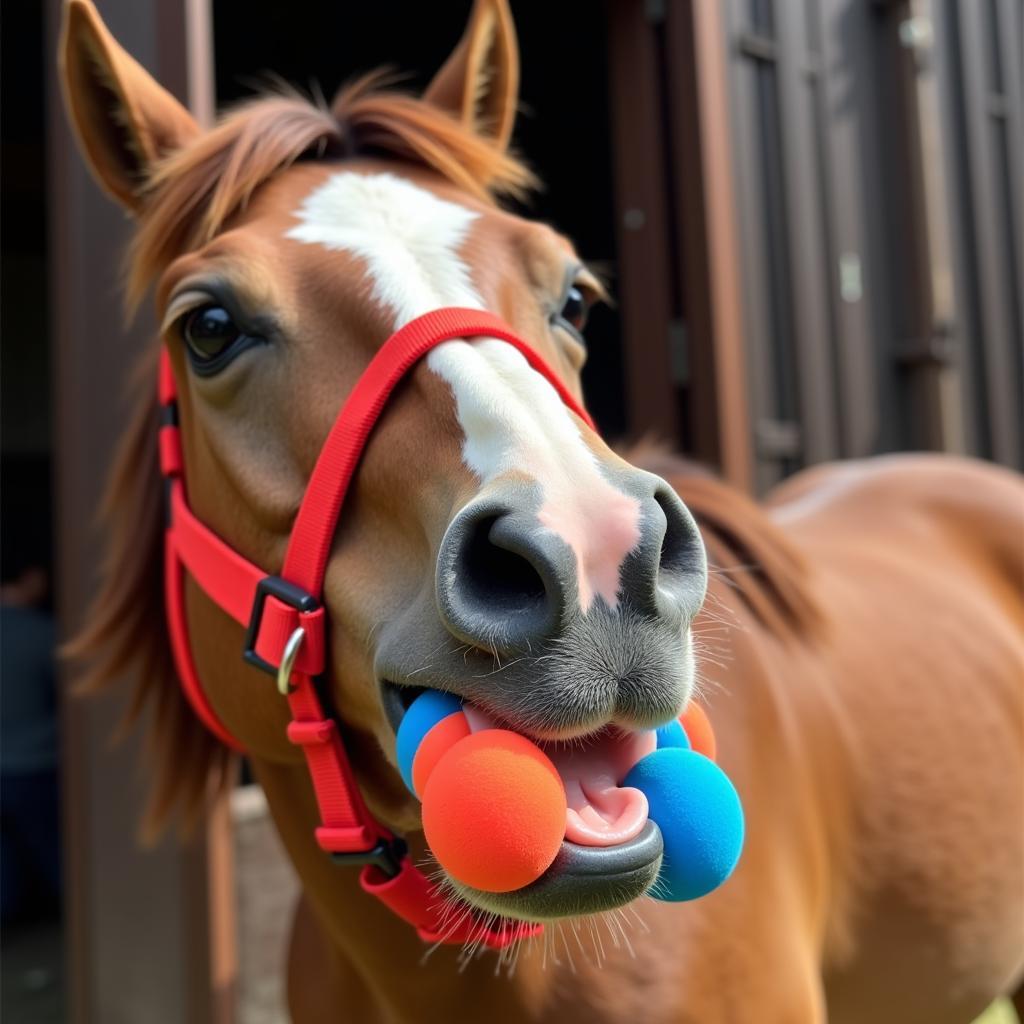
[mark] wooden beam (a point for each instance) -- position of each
(935, 390)
(138, 921)
(643, 272)
(712, 288)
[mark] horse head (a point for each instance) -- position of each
(492, 545)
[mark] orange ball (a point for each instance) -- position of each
(441, 738)
(494, 811)
(698, 729)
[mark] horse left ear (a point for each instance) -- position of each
(124, 120)
(479, 82)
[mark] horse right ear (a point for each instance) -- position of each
(479, 83)
(124, 120)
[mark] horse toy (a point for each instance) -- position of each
(367, 474)
(494, 806)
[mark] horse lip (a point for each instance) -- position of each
(395, 699)
(581, 879)
(576, 861)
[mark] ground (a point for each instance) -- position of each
(31, 991)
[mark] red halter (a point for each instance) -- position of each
(286, 622)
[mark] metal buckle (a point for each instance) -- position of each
(168, 419)
(386, 856)
(169, 413)
(291, 652)
(293, 596)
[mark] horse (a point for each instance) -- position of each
(858, 649)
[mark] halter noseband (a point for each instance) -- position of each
(285, 618)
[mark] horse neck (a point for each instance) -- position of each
(372, 957)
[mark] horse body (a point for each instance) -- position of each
(883, 877)
(918, 562)
(860, 645)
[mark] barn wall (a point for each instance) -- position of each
(875, 155)
(875, 148)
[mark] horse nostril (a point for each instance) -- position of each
(500, 579)
(495, 578)
(669, 575)
(682, 552)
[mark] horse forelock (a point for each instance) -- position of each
(191, 195)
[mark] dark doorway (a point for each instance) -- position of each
(30, 858)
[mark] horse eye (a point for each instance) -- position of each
(574, 311)
(209, 332)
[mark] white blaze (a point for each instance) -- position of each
(512, 418)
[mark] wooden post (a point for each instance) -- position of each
(706, 223)
(141, 943)
(642, 222)
(929, 354)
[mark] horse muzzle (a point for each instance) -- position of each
(511, 574)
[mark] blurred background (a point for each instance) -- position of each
(809, 212)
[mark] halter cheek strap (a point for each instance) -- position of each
(285, 620)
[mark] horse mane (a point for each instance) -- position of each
(766, 574)
(189, 198)
(125, 633)
(193, 193)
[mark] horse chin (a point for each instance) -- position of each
(581, 880)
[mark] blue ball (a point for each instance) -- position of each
(429, 708)
(673, 735)
(698, 811)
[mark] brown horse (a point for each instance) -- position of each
(860, 644)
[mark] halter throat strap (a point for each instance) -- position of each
(285, 620)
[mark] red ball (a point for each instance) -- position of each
(441, 738)
(494, 811)
(697, 726)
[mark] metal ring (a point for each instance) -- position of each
(291, 652)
